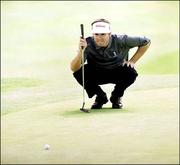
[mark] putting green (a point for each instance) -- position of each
(41, 100)
(145, 131)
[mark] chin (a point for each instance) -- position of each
(101, 45)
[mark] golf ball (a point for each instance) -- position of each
(46, 146)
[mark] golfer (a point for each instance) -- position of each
(107, 61)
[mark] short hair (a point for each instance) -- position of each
(100, 20)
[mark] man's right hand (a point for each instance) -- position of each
(82, 43)
(76, 62)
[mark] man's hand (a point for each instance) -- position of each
(140, 51)
(129, 63)
(82, 43)
(76, 62)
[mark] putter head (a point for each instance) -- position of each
(85, 110)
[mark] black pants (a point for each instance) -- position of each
(122, 77)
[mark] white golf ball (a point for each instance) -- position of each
(46, 146)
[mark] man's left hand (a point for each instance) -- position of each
(129, 63)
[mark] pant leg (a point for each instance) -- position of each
(124, 76)
(90, 81)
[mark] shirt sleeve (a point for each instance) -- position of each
(135, 41)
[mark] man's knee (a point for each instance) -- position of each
(130, 74)
(78, 75)
(133, 73)
(89, 77)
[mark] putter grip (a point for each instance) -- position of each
(82, 32)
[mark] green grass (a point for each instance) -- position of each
(167, 63)
(40, 99)
(11, 84)
(140, 133)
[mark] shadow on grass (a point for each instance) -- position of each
(105, 110)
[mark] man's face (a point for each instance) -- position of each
(101, 39)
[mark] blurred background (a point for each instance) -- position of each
(40, 38)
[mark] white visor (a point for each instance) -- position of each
(101, 27)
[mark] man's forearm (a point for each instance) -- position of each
(76, 62)
(139, 53)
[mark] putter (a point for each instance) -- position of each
(82, 61)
